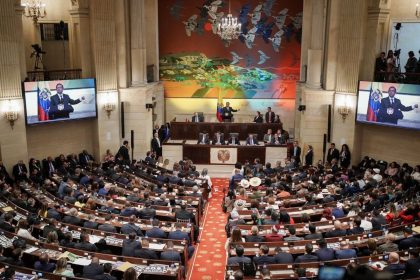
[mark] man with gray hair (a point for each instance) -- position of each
(394, 264)
(389, 245)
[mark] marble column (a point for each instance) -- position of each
(138, 42)
(122, 24)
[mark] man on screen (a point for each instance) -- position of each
(61, 104)
(391, 107)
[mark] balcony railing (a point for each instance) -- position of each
(51, 75)
(398, 77)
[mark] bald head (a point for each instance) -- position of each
(337, 225)
(390, 237)
(394, 257)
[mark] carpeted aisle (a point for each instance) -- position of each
(209, 259)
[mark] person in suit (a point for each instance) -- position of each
(251, 140)
(233, 140)
(147, 212)
(258, 118)
(130, 245)
(218, 139)
(292, 235)
(178, 234)
(60, 106)
(107, 273)
(67, 241)
(85, 158)
(324, 253)
(380, 68)
(203, 138)
(332, 153)
(44, 264)
(378, 220)
(48, 167)
(85, 245)
(357, 229)
(282, 257)
(144, 252)
(93, 270)
(412, 266)
(313, 234)
(20, 172)
(345, 252)
(107, 226)
(394, 265)
(72, 218)
(239, 256)
(269, 115)
(170, 254)
(54, 212)
(389, 245)
(131, 227)
(123, 153)
(227, 113)
(390, 110)
(337, 231)
(156, 231)
(197, 118)
(254, 237)
(156, 145)
(295, 152)
(263, 257)
(309, 156)
(184, 214)
(91, 223)
(308, 256)
(409, 240)
(268, 137)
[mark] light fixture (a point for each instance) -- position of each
(109, 106)
(418, 10)
(34, 9)
(11, 113)
(229, 28)
(344, 109)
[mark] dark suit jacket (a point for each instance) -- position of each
(248, 141)
(264, 260)
(309, 157)
(22, 174)
(393, 118)
(283, 258)
(156, 232)
(356, 230)
(227, 113)
(206, 139)
(410, 242)
(184, 214)
(395, 268)
(92, 270)
(336, 233)
(128, 228)
(105, 277)
(72, 220)
(325, 254)
(237, 260)
(412, 268)
(233, 141)
(107, 228)
(179, 235)
(306, 258)
(156, 147)
(48, 267)
(170, 256)
(54, 113)
(200, 118)
(378, 222)
(147, 213)
(86, 246)
(333, 154)
(222, 139)
(269, 117)
(345, 254)
(52, 213)
(254, 238)
(258, 119)
(129, 246)
(123, 151)
(145, 253)
(84, 158)
(313, 236)
(90, 224)
(298, 152)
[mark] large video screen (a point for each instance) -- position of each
(51, 101)
(389, 104)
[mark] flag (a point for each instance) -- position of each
(43, 103)
(219, 111)
(373, 105)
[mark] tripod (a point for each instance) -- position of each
(38, 60)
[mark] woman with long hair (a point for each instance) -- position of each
(345, 156)
(130, 274)
(61, 268)
(390, 66)
(235, 237)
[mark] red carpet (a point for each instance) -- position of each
(209, 259)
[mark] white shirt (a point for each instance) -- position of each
(25, 234)
(366, 225)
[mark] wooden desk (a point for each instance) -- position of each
(190, 130)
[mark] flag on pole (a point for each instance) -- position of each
(44, 102)
(373, 105)
(219, 106)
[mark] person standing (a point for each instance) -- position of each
(227, 113)
(391, 107)
(295, 152)
(345, 156)
(390, 66)
(309, 157)
(156, 145)
(123, 153)
(258, 118)
(269, 115)
(333, 153)
(61, 104)
(380, 68)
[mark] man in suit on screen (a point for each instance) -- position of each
(391, 108)
(61, 104)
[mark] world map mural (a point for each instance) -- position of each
(263, 63)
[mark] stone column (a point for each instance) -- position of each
(138, 43)
(122, 24)
(19, 34)
(80, 54)
(315, 51)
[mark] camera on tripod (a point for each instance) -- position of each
(397, 53)
(38, 52)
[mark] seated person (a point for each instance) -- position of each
(93, 270)
(107, 226)
(409, 240)
(44, 263)
(337, 232)
(268, 137)
(324, 253)
(292, 235)
(251, 140)
(203, 138)
(218, 139)
(274, 236)
(254, 237)
(345, 252)
(144, 252)
(313, 234)
(130, 245)
(394, 265)
(308, 256)
(282, 257)
(170, 254)
(156, 231)
(197, 117)
(357, 229)
(239, 256)
(277, 140)
(412, 266)
(233, 140)
(263, 257)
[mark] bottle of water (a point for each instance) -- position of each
(370, 261)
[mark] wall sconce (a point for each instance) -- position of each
(11, 113)
(344, 109)
(109, 106)
(34, 9)
(418, 10)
